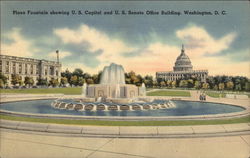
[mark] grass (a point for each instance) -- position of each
(128, 123)
(169, 93)
(216, 95)
(69, 90)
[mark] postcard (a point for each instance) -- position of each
(108, 79)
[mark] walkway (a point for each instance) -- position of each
(16, 145)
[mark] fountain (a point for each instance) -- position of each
(112, 94)
(112, 87)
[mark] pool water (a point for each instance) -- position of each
(183, 108)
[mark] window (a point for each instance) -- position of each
(1, 66)
(20, 68)
(31, 69)
(37, 70)
(51, 70)
(26, 69)
(14, 67)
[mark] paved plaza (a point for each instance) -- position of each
(28, 145)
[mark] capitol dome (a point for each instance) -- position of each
(183, 62)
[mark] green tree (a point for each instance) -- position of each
(1, 83)
(53, 82)
(247, 85)
(42, 82)
(221, 86)
(90, 81)
(16, 79)
(66, 74)
(3, 78)
(230, 85)
(81, 81)
(64, 81)
(78, 72)
(197, 85)
(86, 76)
(173, 84)
(133, 77)
(190, 83)
(183, 84)
(73, 80)
(169, 83)
(95, 79)
(205, 86)
(162, 84)
(28, 81)
(215, 87)
(148, 80)
(155, 83)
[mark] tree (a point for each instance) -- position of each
(215, 87)
(90, 81)
(128, 80)
(64, 81)
(183, 84)
(148, 80)
(247, 85)
(86, 76)
(162, 84)
(155, 83)
(73, 80)
(53, 82)
(28, 81)
(3, 78)
(190, 83)
(205, 86)
(1, 83)
(221, 86)
(95, 79)
(139, 80)
(173, 84)
(197, 85)
(16, 79)
(81, 81)
(66, 74)
(42, 82)
(78, 72)
(230, 85)
(133, 77)
(169, 83)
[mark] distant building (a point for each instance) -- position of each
(183, 69)
(37, 69)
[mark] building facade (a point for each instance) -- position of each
(37, 69)
(183, 69)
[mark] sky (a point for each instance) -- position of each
(144, 43)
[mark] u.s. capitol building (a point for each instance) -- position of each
(183, 69)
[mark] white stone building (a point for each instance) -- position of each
(35, 68)
(183, 69)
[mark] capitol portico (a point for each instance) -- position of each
(183, 69)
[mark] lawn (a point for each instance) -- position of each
(169, 93)
(128, 123)
(216, 95)
(69, 90)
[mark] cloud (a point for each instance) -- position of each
(112, 48)
(200, 42)
(18, 45)
(157, 55)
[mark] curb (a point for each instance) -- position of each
(128, 131)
